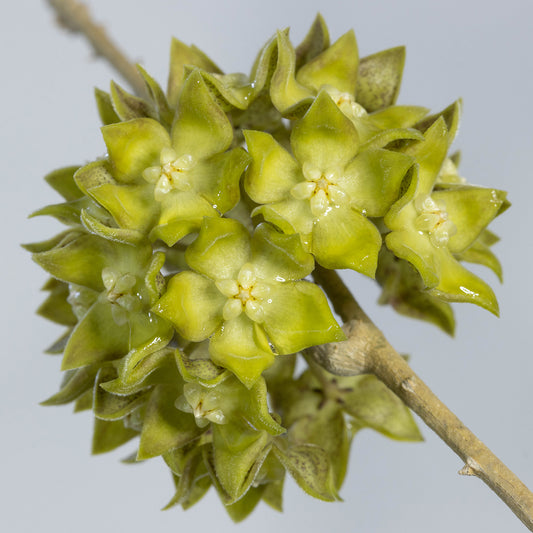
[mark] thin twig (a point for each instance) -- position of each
(367, 350)
(74, 16)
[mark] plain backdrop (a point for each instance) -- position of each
(478, 50)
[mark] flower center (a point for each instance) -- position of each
(347, 104)
(203, 405)
(433, 220)
(320, 188)
(172, 173)
(245, 293)
(120, 294)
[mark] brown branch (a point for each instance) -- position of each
(75, 17)
(367, 351)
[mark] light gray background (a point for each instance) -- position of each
(480, 50)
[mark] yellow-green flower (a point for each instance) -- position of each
(245, 294)
(327, 188)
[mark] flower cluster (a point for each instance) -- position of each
(183, 274)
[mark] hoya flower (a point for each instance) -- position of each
(162, 184)
(328, 188)
(365, 90)
(111, 289)
(244, 294)
(433, 222)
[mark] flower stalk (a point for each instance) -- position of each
(367, 351)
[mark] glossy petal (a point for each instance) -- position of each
(344, 238)
(221, 249)
(193, 304)
(181, 213)
(457, 284)
(285, 91)
(373, 179)
(336, 66)
(430, 155)
(272, 172)
(416, 248)
(290, 215)
(325, 137)
(218, 178)
(297, 315)
(132, 206)
(379, 79)
(241, 346)
(404, 290)
(471, 209)
(280, 257)
(201, 128)
(230, 90)
(121, 235)
(134, 146)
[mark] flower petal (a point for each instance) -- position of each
(471, 209)
(336, 66)
(373, 179)
(221, 249)
(297, 315)
(180, 56)
(379, 79)
(344, 238)
(285, 91)
(316, 41)
(200, 128)
(164, 426)
(291, 215)
(132, 206)
(457, 284)
(193, 304)
(241, 346)
(411, 245)
(238, 455)
(325, 137)
(430, 155)
(277, 256)
(134, 146)
(181, 213)
(96, 338)
(272, 172)
(62, 180)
